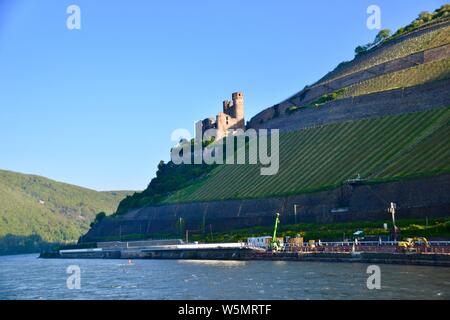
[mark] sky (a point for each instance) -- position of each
(96, 106)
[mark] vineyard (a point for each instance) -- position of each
(324, 157)
(402, 49)
(433, 71)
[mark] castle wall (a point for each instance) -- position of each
(232, 117)
(225, 122)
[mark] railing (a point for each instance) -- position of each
(367, 246)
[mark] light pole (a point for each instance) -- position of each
(295, 213)
(391, 210)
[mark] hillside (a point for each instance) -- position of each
(35, 210)
(385, 68)
(385, 115)
(325, 157)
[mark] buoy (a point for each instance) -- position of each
(129, 261)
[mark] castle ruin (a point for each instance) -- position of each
(231, 118)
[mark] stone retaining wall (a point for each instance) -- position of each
(415, 198)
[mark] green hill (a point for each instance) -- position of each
(380, 149)
(35, 211)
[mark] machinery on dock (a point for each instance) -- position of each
(411, 244)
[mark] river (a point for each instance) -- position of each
(27, 277)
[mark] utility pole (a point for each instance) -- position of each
(295, 211)
(210, 231)
(180, 221)
(187, 236)
(295, 214)
(391, 210)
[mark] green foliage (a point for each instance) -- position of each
(382, 36)
(99, 217)
(425, 18)
(326, 98)
(318, 102)
(361, 49)
(169, 178)
(437, 227)
(293, 109)
(12, 244)
(37, 210)
(401, 49)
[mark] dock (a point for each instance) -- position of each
(331, 252)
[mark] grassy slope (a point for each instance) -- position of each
(65, 214)
(415, 44)
(379, 149)
(428, 72)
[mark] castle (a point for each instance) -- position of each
(232, 117)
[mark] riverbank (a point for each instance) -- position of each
(246, 254)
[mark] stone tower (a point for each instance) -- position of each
(231, 118)
(238, 104)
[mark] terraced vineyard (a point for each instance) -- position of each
(404, 48)
(324, 157)
(433, 71)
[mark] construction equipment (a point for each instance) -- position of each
(411, 244)
(274, 244)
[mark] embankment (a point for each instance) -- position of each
(434, 259)
(414, 198)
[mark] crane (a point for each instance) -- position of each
(274, 244)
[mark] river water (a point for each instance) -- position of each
(27, 277)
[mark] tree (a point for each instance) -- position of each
(425, 16)
(99, 217)
(161, 165)
(382, 35)
(360, 49)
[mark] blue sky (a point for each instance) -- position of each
(95, 107)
